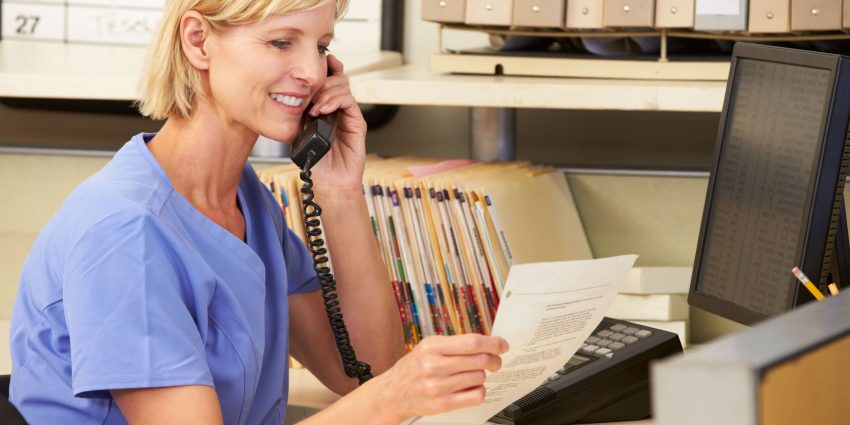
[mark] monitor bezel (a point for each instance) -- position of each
(822, 195)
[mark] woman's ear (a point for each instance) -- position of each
(194, 33)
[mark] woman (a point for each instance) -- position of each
(161, 292)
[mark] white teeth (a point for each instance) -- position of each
(287, 100)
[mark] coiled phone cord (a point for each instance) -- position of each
(312, 222)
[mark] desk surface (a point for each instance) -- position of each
(305, 390)
(102, 72)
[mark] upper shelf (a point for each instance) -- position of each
(102, 72)
(416, 85)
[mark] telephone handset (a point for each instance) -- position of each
(309, 147)
(314, 141)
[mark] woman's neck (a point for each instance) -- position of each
(202, 156)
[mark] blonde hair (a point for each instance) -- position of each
(170, 84)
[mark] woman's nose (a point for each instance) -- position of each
(311, 69)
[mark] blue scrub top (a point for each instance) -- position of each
(130, 286)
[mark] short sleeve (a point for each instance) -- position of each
(299, 265)
(127, 306)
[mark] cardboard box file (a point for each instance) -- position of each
(489, 12)
(446, 11)
(768, 16)
(585, 14)
(539, 13)
(809, 15)
(629, 13)
(720, 15)
(674, 14)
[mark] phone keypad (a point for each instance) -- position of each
(602, 344)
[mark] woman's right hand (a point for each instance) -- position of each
(442, 373)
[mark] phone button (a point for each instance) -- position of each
(604, 351)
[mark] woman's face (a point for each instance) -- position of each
(263, 75)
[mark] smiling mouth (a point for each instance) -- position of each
(287, 100)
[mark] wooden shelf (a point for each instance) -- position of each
(416, 85)
(80, 71)
(101, 72)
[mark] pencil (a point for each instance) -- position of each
(833, 289)
(807, 283)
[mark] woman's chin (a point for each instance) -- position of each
(283, 136)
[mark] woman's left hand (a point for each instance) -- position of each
(342, 167)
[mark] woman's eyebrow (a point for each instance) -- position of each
(295, 31)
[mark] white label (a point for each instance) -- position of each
(147, 4)
(111, 26)
(33, 21)
(718, 7)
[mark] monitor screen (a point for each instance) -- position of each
(761, 208)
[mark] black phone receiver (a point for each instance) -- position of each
(315, 141)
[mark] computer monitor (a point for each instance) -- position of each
(775, 195)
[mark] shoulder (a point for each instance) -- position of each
(126, 190)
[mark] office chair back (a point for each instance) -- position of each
(9, 415)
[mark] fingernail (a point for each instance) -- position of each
(325, 109)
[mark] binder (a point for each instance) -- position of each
(808, 15)
(629, 13)
(489, 12)
(674, 14)
(585, 14)
(446, 11)
(539, 13)
(770, 16)
(720, 15)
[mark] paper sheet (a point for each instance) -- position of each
(547, 311)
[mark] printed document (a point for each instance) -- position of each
(547, 310)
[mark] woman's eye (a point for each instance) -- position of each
(324, 50)
(280, 44)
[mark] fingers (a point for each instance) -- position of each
(446, 365)
(335, 65)
(332, 99)
(457, 400)
(467, 344)
(458, 382)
